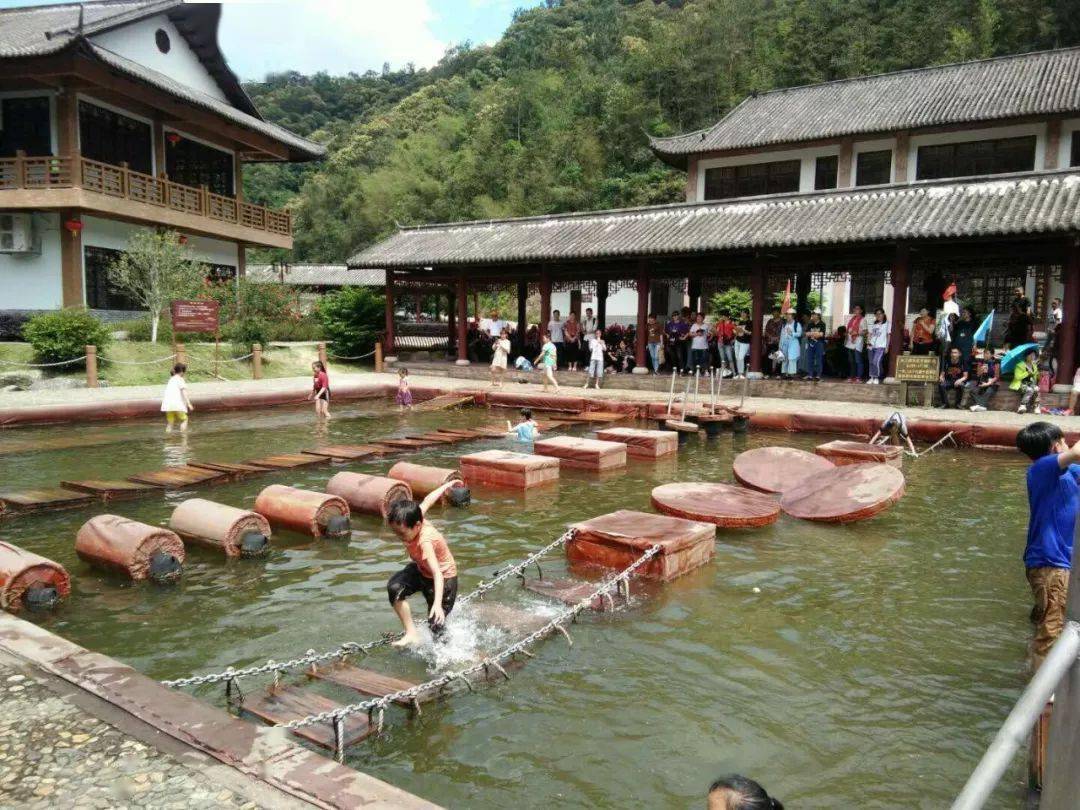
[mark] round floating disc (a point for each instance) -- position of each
(723, 504)
(845, 494)
(775, 469)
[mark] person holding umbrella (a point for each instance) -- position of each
(1025, 377)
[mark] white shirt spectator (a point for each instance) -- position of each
(174, 395)
(699, 336)
(555, 330)
(597, 347)
(879, 335)
(494, 328)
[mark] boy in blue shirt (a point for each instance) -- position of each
(1053, 490)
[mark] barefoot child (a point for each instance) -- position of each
(432, 570)
(175, 403)
(1052, 485)
(500, 352)
(404, 395)
(526, 430)
(547, 360)
(320, 390)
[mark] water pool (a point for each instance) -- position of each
(871, 670)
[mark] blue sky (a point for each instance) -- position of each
(349, 35)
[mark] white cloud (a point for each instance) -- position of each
(337, 36)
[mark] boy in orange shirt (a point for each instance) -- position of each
(432, 570)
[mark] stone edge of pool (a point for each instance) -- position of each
(261, 754)
(970, 434)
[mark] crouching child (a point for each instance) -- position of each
(431, 570)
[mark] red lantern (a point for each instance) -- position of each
(73, 226)
(172, 138)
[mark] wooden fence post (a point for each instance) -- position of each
(91, 367)
(181, 355)
(378, 356)
(256, 361)
(322, 354)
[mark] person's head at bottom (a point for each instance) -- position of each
(405, 519)
(1040, 439)
(737, 792)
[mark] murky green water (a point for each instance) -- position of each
(871, 670)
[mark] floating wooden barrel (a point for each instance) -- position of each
(370, 494)
(844, 494)
(774, 469)
(237, 532)
(423, 480)
(723, 504)
(137, 550)
(845, 452)
(30, 581)
(301, 510)
(618, 539)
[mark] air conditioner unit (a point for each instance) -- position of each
(17, 233)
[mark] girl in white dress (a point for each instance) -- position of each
(501, 349)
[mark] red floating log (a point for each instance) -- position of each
(618, 539)
(423, 480)
(301, 510)
(845, 494)
(237, 532)
(370, 494)
(137, 550)
(773, 469)
(30, 581)
(723, 504)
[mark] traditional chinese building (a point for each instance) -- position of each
(120, 115)
(880, 189)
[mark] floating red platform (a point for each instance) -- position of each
(504, 468)
(583, 454)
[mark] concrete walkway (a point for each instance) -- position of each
(800, 401)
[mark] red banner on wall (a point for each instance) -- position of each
(195, 316)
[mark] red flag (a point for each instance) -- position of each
(786, 305)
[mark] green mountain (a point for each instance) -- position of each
(553, 116)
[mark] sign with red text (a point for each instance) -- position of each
(195, 316)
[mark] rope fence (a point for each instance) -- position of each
(43, 365)
(137, 362)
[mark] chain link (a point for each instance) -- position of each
(42, 365)
(351, 647)
(358, 357)
(414, 692)
(138, 362)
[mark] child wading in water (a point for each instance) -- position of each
(175, 403)
(404, 395)
(432, 570)
(526, 430)
(320, 389)
(1052, 485)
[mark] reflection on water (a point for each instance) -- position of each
(870, 669)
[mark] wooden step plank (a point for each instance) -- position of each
(183, 475)
(568, 591)
(237, 472)
(22, 501)
(368, 682)
(514, 621)
(111, 490)
(443, 402)
(348, 452)
(288, 461)
(406, 444)
(288, 703)
(436, 438)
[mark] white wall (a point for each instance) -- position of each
(109, 233)
(621, 306)
(137, 42)
(33, 281)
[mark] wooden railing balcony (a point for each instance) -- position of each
(124, 183)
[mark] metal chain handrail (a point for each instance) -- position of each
(336, 716)
(138, 362)
(43, 365)
(351, 647)
(358, 357)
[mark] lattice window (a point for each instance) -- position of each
(109, 137)
(194, 164)
(24, 125)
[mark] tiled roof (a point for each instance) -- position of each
(1016, 204)
(316, 275)
(1042, 83)
(44, 30)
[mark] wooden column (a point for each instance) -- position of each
(900, 280)
(462, 320)
(693, 287)
(802, 292)
(1070, 302)
(601, 303)
(476, 307)
(844, 170)
(757, 314)
(642, 316)
(451, 316)
(575, 303)
(900, 160)
(388, 342)
(238, 176)
(522, 316)
(241, 260)
(1053, 144)
(71, 262)
(157, 133)
(545, 298)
